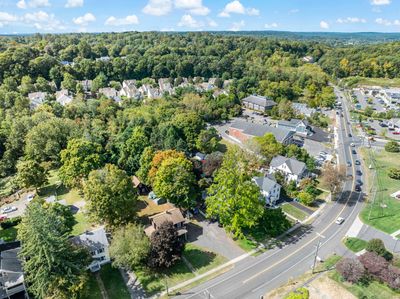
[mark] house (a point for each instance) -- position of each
(139, 186)
(258, 103)
(269, 188)
(165, 86)
(226, 84)
(205, 86)
(173, 215)
(303, 109)
(110, 93)
(36, 98)
(11, 275)
(219, 92)
(242, 131)
(308, 59)
(129, 83)
(97, 243)
(292, 169)
(86, 85)
(298, 126)
(130, 92)
(103, 59)
(63, 99)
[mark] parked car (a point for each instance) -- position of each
(396, 133)
(359, 182)
(350, 135)
(352, 144)
(357, 188)
(357, 162)
(30, 197)
(3, 217)
(353, 152)
(340, 220)
(358, 172)
(348, 164)
(9, 209)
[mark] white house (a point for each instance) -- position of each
(36, 98)
(97, 244)
(269, 188)
(292, 169)
(64, 99)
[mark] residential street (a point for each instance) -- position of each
(255, 276)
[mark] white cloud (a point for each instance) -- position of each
(380, 2)
(189, 21)
(5, 17)
(33, 3)
(324, 25)
(84, 20)
(195, 7)
(128, 20)
(74, 3)
(236, 26)
(386, 22)
(158, 7)
(270, 26)
(212, 23)
(294, 10)
(235, 7)
(43, 21)
(351, 20)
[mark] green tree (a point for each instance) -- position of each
(269, 147)
(233, 197)
(207, 141)
(145, 165)
(78, 160)
(132, 149)
(69, 82)
(175, 182)
(306, 198)
(377, 246)
(394, 173)
(110, 196)
(53, 266)
(392, 147)
(99, 82)
(31, 174)
(129, 246)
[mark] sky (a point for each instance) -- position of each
(57, 16)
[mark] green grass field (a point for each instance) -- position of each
(294, 212)
(92, 289)
(384, 212)
(355, 244)
(201, 259)
(114, 283)
(373, 81)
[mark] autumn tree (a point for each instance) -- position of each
(350, 269)
(78, 160)
(110, 196)
(129, 247)
(233, 197)
(166, 247)
(333, 177)
(158, 158)
(175, 182)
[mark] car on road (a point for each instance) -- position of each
(9, 210)
(348, 164)
(340, 220)
(357, 162)
(350, 135)
(353, 152)
(352, 144)
(359, 182)
(358, 172)
(357, 188)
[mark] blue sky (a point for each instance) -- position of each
(29, 16)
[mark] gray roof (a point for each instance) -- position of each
(93, 240)
(11, 267)
(259, 100)
(295, 166)
(265, 182)
(293, 122)
(254, 129)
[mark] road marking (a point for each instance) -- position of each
(324, 230)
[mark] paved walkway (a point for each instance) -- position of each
(133, 285)
(301, 207)
(355, 228)
(367, 233)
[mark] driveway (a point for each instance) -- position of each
(210, 236)
(19, 204)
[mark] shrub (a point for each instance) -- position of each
(394, 173)
(377, 246)
(392, 147)
(10, 222)
(305, 198)
(374, 264)
(350, 269)
(301, 293)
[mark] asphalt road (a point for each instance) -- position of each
(255, 276)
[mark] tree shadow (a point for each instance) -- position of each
(53, 189)
(198, 258)
(194, 231)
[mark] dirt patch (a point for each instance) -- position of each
(326, 288)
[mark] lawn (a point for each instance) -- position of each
(82, 224)
(201, 259)
(9, 234)
(92, 289)
(113, 283)
(355, 244)
(384, 212)
(372, 290)
(294, 212)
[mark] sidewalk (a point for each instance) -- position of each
(355, 228)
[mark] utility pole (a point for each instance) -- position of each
(316, 251)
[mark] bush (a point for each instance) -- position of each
(301, 293)
(352, 270)
(10, 222)
(394, 173)
(306, 198)
(392, 147)
(374, 264)
(377, 246)
(392, 277)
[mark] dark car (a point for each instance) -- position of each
(359, 182)
(353, 152)
(350, 135)
(358, 172)
(357, 188)
(357, 162)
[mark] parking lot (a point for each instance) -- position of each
(376, 104)
(382, 130)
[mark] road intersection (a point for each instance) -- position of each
(255, 276)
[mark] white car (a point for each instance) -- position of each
(30, 197)
(9, 210)
(340, 220)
